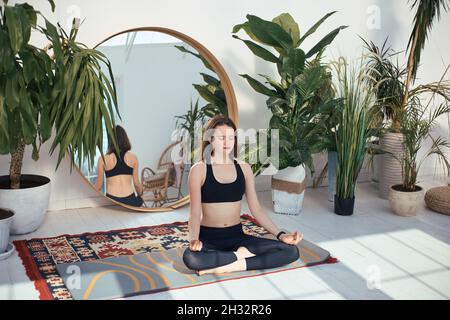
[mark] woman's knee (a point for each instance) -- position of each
(191, 259)
(292, 252)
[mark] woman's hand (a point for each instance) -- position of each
(291, 238)
(195, 245)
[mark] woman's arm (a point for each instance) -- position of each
(100, 171)
(259, 214)
(195, 205)
(137, 184)
(253, 203)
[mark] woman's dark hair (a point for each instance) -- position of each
(122, 141)
(212, 123)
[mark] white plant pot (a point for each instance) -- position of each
(6, 217)
(390, 168)
(29, 204)
(405, 203)
(286, 202)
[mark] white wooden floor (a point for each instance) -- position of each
(382, 256)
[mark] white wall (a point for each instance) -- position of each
(211, 22)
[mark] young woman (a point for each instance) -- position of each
(119, 170)
(216, 185)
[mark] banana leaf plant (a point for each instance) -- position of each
(211, 90)
(301, 97)
(61, 87)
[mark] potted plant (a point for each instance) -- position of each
(67, 92)
(6, 217)
(416, 126)
(353, 129)
(293, 100)
(395, 95)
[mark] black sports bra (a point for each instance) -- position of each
(120, 168)
(215, 191)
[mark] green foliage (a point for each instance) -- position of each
(68, 91)
(358, 95)
(302, 101)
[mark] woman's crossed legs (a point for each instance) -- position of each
(246, 252)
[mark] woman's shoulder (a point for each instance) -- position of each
(198, 165)
(243, 163)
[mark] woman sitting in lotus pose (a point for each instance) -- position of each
(217, 241)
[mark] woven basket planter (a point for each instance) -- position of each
(390, 169)
(438, 199)
(288, 190)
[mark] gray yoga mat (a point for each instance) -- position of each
(152, 272)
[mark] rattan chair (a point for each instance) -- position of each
(157, 183)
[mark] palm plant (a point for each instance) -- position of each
(427, 11)
(67, 91)
(354, 126)
(391, 89)
(189, 124)
(211, 90)
(294, 100)
(416, 126)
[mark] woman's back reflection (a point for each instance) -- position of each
(120, 170)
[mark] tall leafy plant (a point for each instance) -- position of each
(67, 91)
(354, 125)
(416, 126)
(295, 98)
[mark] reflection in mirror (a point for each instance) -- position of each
(165, 90)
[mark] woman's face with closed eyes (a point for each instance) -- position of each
(223, 139)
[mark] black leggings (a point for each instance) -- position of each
(131, 200)
(220, 242)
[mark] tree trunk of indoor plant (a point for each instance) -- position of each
(288, 189)
(390, 168)
(15, 167)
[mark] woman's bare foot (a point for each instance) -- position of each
(242, 253)
(238, 265)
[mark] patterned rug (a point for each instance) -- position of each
(40, 256)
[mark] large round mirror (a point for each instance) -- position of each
(167, 85)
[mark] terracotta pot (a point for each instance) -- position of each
(405, 203)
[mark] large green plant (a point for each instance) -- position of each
(355, 120)
(295, 99)
(67, 91)
(416, 125)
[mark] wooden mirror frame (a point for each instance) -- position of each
(226, 85)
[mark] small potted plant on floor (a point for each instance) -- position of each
(62, 87)
(294, 99)
(353, 129)
(416, 125)
(6, 217)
